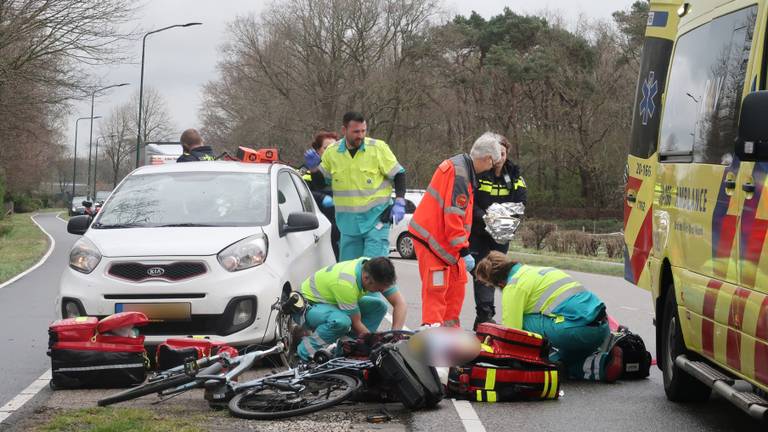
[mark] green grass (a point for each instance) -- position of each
(515, 246)
(570, 263)
(22, 244)
(123, 419)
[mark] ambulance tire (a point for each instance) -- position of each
(678, 384)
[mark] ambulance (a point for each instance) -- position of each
(695, 218)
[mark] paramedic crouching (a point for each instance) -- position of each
(550, 302)
(346, 298)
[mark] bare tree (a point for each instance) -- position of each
(157, 125)
(119, 146)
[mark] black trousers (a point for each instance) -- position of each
(480, 247)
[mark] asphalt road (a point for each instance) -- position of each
(26, 310)
(585, 406)
(27, 307)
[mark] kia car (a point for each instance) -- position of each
(400, 239)
(203, 248)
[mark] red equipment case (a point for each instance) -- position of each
(84, 354)
(174, 351)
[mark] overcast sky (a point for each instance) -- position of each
(180, 61)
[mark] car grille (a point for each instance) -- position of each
(173, 272)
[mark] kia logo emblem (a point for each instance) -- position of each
(156, 271)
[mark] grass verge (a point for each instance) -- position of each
(121, 419)
(570, 263)
(22, 244)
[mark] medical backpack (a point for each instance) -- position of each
(512, 365)
(86, 352)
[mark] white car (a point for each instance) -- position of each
(399, 238)
(203, 248)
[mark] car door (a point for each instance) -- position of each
(303, 256)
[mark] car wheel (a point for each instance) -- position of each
(678, 384)
(405, 246)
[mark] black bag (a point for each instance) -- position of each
(637, 360)
(415, 384)
(96, 365)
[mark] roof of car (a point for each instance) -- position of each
(205, 166)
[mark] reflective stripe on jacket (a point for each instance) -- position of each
(336, 285)
(362, 182)
(534, 289)
(443, 218)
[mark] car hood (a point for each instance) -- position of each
(198, 241)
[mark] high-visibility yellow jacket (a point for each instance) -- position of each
(340, 285)
(361, 185)
(546, 290)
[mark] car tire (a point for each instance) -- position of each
(679, 386)
(405, 246)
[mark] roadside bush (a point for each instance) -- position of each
(2, 194)
(26, 203)
(526, 237)
(539, 232)
(585, 244)
(559, 242)
(5, 229)
(614, 246)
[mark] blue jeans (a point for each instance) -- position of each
(330, 323)
(374, 243)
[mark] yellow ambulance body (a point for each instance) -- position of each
(695, 215)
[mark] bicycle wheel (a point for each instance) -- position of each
(269, 402)
(290, 333)
(145, 389)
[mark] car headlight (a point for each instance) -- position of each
(248, 252)
(85, 256)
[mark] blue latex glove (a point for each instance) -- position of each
(311, 159)
(469, 262)
(398, 210)
(327, 201)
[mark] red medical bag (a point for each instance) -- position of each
(86, 354)
(175, 351)
(503, 343)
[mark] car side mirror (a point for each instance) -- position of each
(752, 143)
(78, 225)
(301, 221)
(87, 204)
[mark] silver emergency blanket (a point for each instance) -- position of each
(502, 220)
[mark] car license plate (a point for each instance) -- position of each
(159, 311)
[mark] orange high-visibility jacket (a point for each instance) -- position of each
(443, 219)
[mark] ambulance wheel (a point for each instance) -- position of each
(405, 246)
(678, 384)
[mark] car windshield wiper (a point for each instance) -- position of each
(184, 225)
(115, 226)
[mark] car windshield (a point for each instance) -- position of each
(188, 199)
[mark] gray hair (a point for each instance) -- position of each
(489, 144)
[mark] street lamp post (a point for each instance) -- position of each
(90, 139)
(74, 164)
(96, 161)
(141, 81)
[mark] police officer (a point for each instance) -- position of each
(501, 184)
(194, 147)
(345, 299)
(323, 194)
(361, 172)
(548, 301)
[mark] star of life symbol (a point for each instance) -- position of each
(650, 90)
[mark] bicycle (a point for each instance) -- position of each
(193, 373)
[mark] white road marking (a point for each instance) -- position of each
(39, 263)
(58, 216)
(629, 308)
(467, 414)
(40, 383)
(25, 396)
